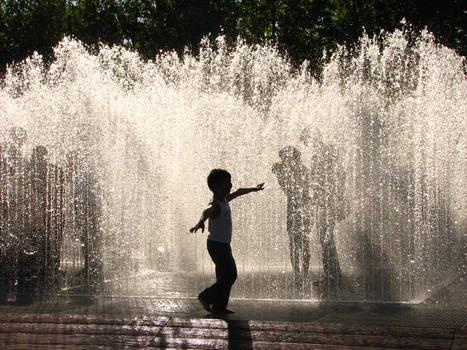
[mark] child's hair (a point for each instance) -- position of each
(216, 176)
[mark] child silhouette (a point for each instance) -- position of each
(215, 298)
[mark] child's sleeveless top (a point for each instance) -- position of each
(220, 227)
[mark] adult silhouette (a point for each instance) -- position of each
(295, 181)
(329, 177)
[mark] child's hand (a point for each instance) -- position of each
(259, 187)
(199, 225)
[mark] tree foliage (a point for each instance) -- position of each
(300, 28)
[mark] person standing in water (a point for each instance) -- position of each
(215, 298)
(329, 176)
(296, 183)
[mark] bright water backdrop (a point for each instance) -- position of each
(149, 132)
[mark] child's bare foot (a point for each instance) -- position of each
(205, 304)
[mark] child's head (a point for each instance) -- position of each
(219, 180)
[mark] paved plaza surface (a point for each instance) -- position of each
(138, 322)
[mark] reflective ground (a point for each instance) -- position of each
(164, 320)
(366, 314)
(148, 323)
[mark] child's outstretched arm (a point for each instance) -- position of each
(210, 212)
(242, 191)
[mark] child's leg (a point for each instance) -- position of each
(226, 273)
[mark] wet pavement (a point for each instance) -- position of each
(81, 322)
(142, 322)
(367, 314)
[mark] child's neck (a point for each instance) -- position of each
(219, 197)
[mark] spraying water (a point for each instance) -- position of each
(128, 145)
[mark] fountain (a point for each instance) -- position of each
(124, 148)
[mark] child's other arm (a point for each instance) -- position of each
(210, 212)
(242, 191)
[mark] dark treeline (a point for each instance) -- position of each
(302, 28)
